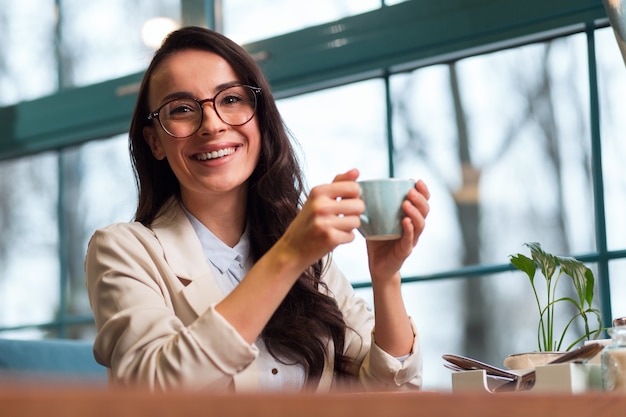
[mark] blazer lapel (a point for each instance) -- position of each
(183, 253)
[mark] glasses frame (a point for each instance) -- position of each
(155, 114)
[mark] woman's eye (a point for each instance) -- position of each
(230, 100)
(181, 109)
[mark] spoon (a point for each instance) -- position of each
(469, 364)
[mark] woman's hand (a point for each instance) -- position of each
(328, 219)
(386, 257)
(393, 329)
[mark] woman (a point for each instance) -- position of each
(224, 281)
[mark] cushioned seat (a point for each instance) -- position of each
(49, 358)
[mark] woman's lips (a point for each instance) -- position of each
(205, 156)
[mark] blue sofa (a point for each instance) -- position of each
(51, 359)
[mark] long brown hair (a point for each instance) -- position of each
(298, 330)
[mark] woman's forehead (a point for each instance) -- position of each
(193, 71)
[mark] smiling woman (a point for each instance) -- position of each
(383, 102)
(225, 266)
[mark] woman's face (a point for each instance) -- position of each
(201, 75)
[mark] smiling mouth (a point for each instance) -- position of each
(215, 154)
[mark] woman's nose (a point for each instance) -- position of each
(210, 119)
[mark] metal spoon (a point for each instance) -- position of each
(469, 364)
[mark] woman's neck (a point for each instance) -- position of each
(224, 214)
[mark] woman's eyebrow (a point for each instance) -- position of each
(186, 94)
(176, 95)
(226, 85)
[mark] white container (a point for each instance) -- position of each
(570, 378)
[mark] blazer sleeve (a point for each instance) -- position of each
(141, 339)
(375, 368)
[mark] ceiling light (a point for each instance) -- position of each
(156, 29)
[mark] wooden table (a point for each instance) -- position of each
(84, 401)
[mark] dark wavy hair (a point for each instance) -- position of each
(306, 318)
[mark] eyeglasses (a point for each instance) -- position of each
(182, 117)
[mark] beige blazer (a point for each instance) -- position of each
(153, 294)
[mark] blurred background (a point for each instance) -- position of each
(508, 110)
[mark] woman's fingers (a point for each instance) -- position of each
(336, 205)
(327, 219)
(423, 189)
(350, 175)
(416, 208)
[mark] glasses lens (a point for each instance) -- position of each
(236, 105)
(181, 118)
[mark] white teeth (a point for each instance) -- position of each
(215, 154)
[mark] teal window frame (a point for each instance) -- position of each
(389, 40)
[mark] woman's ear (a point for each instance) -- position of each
(151, 137)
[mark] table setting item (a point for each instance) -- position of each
(502, 380)
(383, 207)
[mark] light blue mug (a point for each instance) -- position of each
(383, 207)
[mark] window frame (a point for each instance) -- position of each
(391, 39)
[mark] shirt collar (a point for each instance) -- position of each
(217, 252)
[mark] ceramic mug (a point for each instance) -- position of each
(383, 207)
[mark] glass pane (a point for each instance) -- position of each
(101, 39)
(424, 139)
(246, 21)
(29, 257)
(336, 130)
(502, 140)
(107, 186)
(612, 85)
(438, 316)
(517, 168)
(98, 190)
(617, 276)
(27, 43)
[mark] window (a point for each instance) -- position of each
(242, 18)
(493, 105)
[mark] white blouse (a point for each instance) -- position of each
(230, 266)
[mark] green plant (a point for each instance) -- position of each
(583, 282)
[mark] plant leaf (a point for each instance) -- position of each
(524, 264)
(581, 276)
(546, 262)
